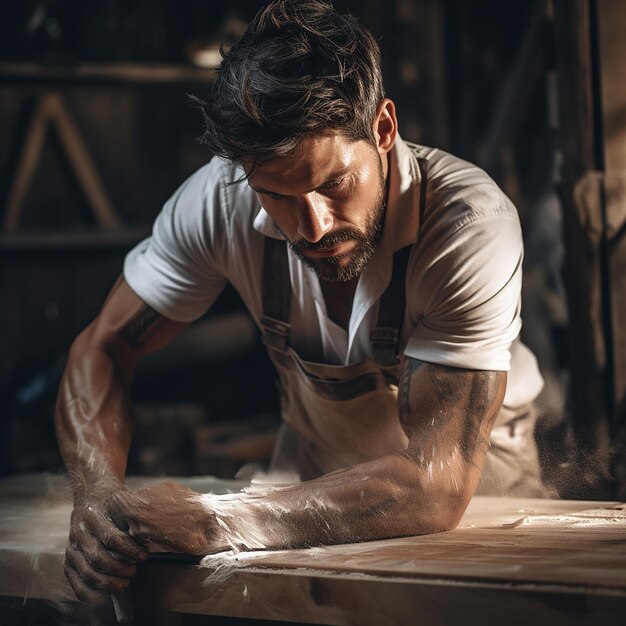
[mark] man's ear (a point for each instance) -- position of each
(385, 126)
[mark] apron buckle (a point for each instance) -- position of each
(385, 342)
(275, 333)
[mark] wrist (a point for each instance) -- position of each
(235, 522)
(87, 489)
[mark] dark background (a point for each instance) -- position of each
(474, 78)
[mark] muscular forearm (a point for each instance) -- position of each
(393, 496)
(93, 416)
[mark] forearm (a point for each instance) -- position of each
(396, 495)
(94, 417)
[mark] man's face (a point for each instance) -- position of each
(329, 202)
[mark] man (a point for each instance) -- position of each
(391, 324)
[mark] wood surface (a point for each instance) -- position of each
(510, 560)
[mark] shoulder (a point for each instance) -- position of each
(470, 242)
(459, 192)
(213, 200)
(218, 182)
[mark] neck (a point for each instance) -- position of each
(339, 296)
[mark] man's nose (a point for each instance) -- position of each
(314, 217)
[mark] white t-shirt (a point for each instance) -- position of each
(463, 277)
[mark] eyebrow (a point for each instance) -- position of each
(335, 175)
(261, 190)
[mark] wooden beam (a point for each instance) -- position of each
(28, 160)
(584, 242)
(110, 73)
(51, 111)
(611, 18)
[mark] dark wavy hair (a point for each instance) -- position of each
(300, 69)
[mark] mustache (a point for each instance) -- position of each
(330, 240)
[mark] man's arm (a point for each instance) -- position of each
(447, 414)
(94, 427)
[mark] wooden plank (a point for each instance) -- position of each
(26, 243)
(122, 73)
(528, 557)
(317, 597)
(28, 160)
(498, 539)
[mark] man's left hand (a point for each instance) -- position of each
(165, 518)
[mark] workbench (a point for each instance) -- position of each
(510, 561)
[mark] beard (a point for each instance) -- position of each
(345, 267)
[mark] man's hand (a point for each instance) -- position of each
(90, 565)
(165, 518)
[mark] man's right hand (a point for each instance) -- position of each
(99, 558)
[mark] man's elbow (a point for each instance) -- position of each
(444, 512)
(452, 514)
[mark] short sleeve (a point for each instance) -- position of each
(464, 290)
(180, 270)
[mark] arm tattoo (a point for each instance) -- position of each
(404, 398)
(454, 405)
(479, 408)
(136, 328)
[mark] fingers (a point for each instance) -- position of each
(123, 509)
(83, 591)
(114, 539)
(101, 560)
(92, 569)
(119, 510)
(122, 543)
(87, 583)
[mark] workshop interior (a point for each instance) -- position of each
(99, 126)
(98, 130)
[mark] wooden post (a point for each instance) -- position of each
(592, 109)
(611, 18)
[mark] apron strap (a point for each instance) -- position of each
(422, 164)
(385, 337)
(276, 294)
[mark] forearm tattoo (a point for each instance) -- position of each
(134, 331)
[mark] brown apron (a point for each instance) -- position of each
(335, 416)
